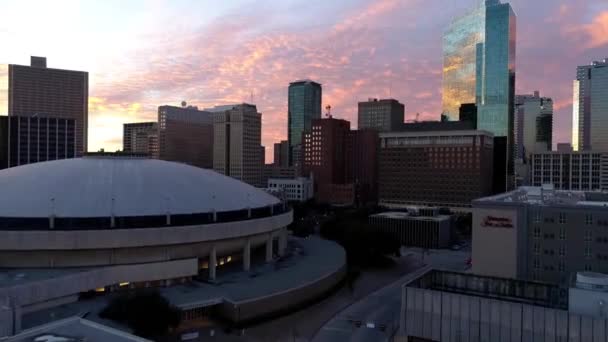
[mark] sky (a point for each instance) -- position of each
(141, 54)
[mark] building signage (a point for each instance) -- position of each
(497, 222)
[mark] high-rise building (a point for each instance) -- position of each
(237, 141)
(36, 90)
(324, 157)
(382, 115)
(434, 168)
(304, 105)
(141, 137)
(479, 65)
(362, 164)
(533, 128)
(31, 139)
(185, 135)
(281, 153)
(590, 105)
(583, 170)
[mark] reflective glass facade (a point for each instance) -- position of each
(479, 66)
(304, 105)
(590, 122)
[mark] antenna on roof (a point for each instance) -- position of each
(328, 111)
(251, 97)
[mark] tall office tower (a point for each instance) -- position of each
(479, 67)
(382, 115)
(362, 164)
(31, 139)
(281, 153)
(141, 137)
(590, 105)
(304, 105)
(185, 135)
(533, 128)
(237, 140)
(37, 90)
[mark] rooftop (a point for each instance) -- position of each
(398, 215)
(547, 195)
(74, 329)
(512, 290)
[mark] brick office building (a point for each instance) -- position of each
(436, 168)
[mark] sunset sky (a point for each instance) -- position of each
(142, 54)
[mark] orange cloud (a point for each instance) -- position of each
(596, 32)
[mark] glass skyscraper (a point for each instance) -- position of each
(479, 66)
(304, 105)
(590, 107)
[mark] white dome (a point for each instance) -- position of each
(105, 186)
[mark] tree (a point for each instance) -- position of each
(147, 313)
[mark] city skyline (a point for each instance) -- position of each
(216, 56)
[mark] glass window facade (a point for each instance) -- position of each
(479, 66)
(304, 105)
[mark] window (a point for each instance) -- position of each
(536, 264)
(537, 217)
(562, 251)
(588, 219)
(536, 232)
(561, 266)
(588, 268)
(562, 233)
(562, 218)
(588, 235)
(588, 252)
(536, 248)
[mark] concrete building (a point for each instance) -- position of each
(304, 105)
(413, 229)
(452, 307)
(590, 104)
(185, 135)
(237, 141)
(281, 154)
(141, 137)
(533, 125)
(104, 223)
(384, 115)
(278, 172)
(37, 90)
(540, 234)
(25, 139)
(586, 171)
(434, 168)
(299, 189)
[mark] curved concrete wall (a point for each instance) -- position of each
(284, 301)
(118, 247)
(123, 238)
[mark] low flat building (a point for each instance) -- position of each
(293, 190)
(434, 168)
(415, 230)
(538, 233)
(448, 306)
(278, 172)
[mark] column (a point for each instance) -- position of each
(282, 241)
(247, 255)
(212, 263)
(269, 248)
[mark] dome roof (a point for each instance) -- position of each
(119, 186)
